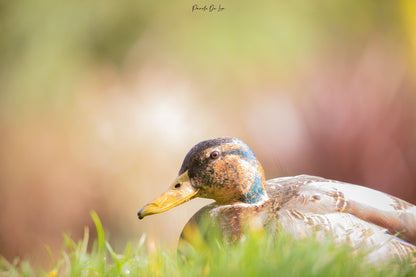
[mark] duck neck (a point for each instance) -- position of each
(256, 190)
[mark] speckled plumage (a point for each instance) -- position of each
(226, 170)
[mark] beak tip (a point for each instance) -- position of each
(139, 214)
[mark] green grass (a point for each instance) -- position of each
(257, 255)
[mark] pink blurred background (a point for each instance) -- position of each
(100, 103)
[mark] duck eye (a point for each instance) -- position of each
(214, 155)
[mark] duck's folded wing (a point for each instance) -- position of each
(321, 196)
(346, 228)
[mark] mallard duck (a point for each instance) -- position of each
(226, 170)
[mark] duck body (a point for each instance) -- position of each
(307, 205)
(226, 170)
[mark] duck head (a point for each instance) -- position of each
(224, 169)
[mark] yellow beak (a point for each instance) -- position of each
(179, 192)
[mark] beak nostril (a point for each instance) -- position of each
(178, 185)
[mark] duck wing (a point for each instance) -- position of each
(315, 195)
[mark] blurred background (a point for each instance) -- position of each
(101, 100)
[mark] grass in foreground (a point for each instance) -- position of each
(256, 256)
